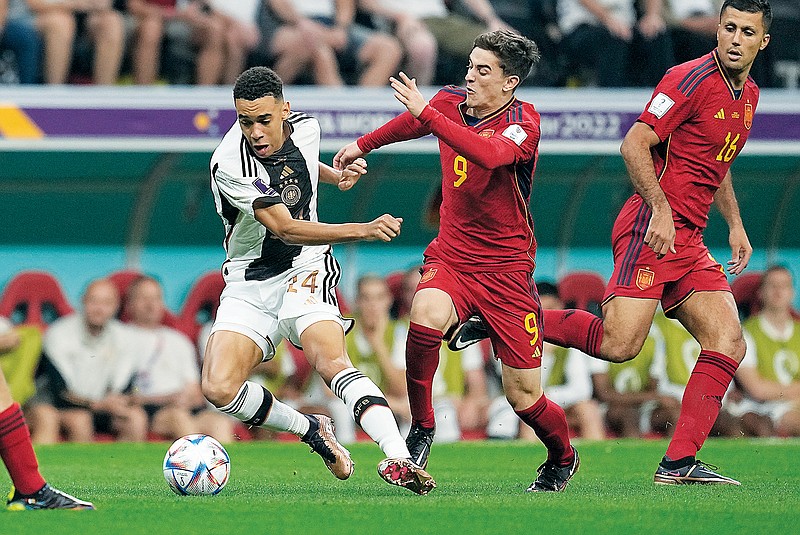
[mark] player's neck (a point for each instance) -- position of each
(479, 112)
(737, 79)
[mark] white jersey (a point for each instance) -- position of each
(242, 182)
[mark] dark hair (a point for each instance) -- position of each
(751, 6)
(547, 288)
(257, 82)
(517, 54)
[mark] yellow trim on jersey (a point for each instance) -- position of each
(15, 123)
(725, 77)
(679, 303)
(488, 117)
(666, 158)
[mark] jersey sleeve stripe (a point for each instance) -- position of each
(699, 81)
(694, 71)
(698, 77)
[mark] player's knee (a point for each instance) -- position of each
(219, 392)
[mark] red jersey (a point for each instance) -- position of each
(487, 175)
(703, 124)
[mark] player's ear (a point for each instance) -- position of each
(285, 110)
(511, 83)
(764, 42)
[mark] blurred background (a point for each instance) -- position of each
(109, 112)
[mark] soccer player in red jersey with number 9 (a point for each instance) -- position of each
(482, 261)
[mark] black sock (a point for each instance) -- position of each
(669, 464)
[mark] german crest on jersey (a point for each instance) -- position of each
(748, 115)
(645, 278)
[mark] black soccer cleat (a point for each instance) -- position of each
(554, 478)
(419, 442)
(407, 474)
(323, 441)
(470, 332)
(46, 498)
(695, 473)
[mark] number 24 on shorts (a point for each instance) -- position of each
(309, 282)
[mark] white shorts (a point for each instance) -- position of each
(775, 410)
(280, 307)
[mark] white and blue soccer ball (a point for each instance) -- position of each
(197, 465)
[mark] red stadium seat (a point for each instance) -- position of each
(583, 290)
(201, 303)
(122, 280)
(395, 282)
(745, 292)
(34, 298)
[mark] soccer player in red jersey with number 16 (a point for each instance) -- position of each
(482, 261)
(678, 156)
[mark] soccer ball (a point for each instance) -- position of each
(196, 465)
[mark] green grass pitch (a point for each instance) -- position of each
(279, 487)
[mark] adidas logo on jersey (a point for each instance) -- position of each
(720, 114)
(286, 171)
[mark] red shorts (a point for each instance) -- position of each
(507, 302)
(672, 279)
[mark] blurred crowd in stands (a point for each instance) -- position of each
(605, 43)
(125, 367)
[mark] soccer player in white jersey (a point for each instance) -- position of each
(280, 279)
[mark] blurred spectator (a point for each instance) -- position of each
(20, 349)
(61, 21)
(167, 382)
(90, 360)
(566, 380)
(605, 38)
(18, 35)
(672, 369)
(537, 20)
(294, 44)
(376, 344)
(423, 26)
(784, 47)
(372, 55)
(693, 27)
(770, 371)
(190, 21)
(241, 33)
(630, 392)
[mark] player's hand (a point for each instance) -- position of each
(741, 250)
(660, 236)
(352, 173)
(619, 28)
(405, 90)
(347, 155)
(384, 228)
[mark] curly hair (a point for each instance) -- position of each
(517, 54)
(257, 82)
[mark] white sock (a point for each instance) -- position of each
(369, 408)
(255, 405)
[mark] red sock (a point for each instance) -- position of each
(17, 451)
(702, 399)
(574, 328)
(548, 421)
(422, 359)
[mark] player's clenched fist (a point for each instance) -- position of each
(384, 228)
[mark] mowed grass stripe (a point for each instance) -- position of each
(281, 488)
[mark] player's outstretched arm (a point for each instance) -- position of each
(635, 149)
(347, 177)
(299, 232)
(741, 250)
